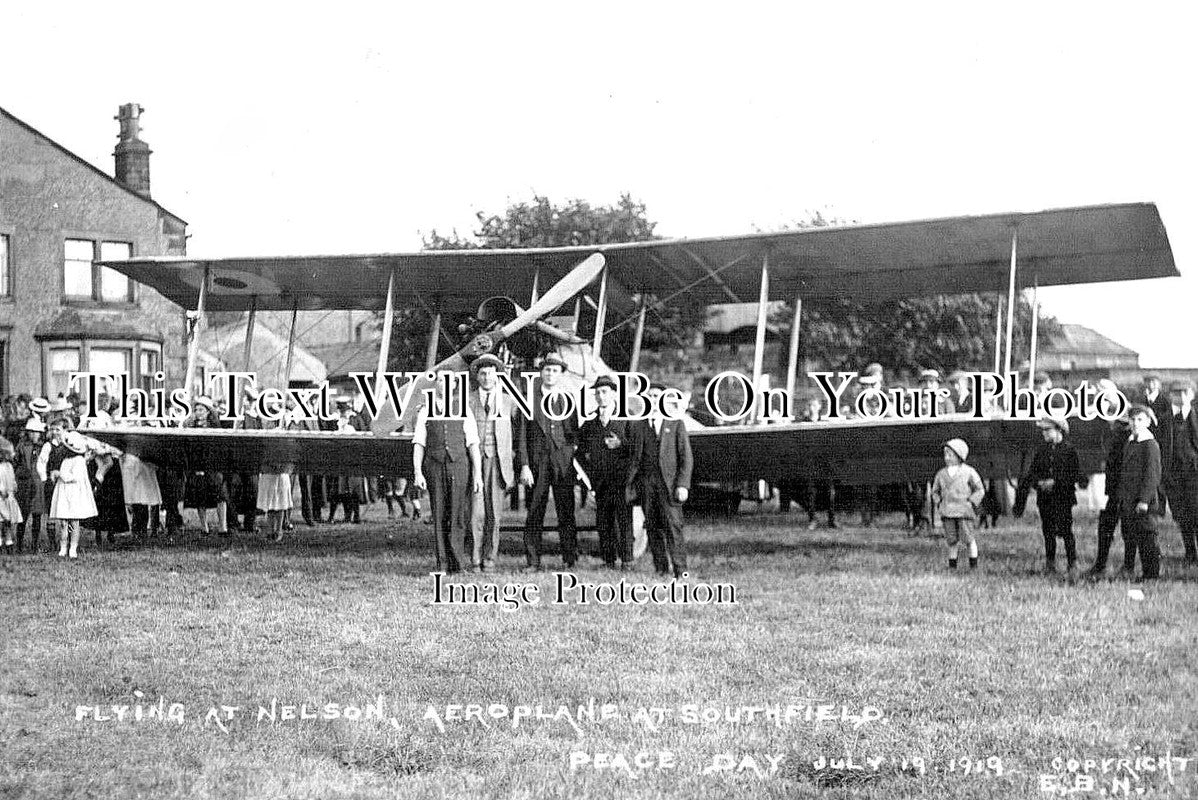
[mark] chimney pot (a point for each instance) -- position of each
(132, 154)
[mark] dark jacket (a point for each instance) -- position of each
(1116, 438)
(546, 445)
(1058, 462)
(609, 469)
(1170, 435)
(1140, 475)
(667, 459)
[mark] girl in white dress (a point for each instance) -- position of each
(73, 500)
(10, 511)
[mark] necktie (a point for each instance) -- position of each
(487, 405)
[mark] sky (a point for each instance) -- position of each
(297, 128)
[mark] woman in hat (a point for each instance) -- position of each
(205, 489)
(30, 496)
(72, 500)
(10, 511)
(957, 490)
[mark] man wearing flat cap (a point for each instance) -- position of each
(605, 453)
(545, 458)
(1178, 438)
(1054, 474)
(493, 414)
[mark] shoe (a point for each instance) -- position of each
(1050, 568)
(473, 568)
(812, 525)
(952, 563)
(973, 563)
(531, 568)
(832, 525)
(627, 566)
(679, 574)
(1071, 573)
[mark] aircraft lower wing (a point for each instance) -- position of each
(192, 449)
(862, 452)
(854, 452)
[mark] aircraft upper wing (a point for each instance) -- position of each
(862, 262)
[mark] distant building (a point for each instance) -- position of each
(1081, 349)
(59, 312)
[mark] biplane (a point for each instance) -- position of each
(992, 253)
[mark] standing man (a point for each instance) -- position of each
(605, 452)
(545, 456)
(1157, 400)
(663, 463)
(1179, 463)
(492, 411)
(445, 461)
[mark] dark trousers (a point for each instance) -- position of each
(308, 509)
(170, 483)
(811, 489)
(1183, 498)
(449, 495)
(613, 518)
(563, 502)
(247, 500)
(144, 517)
(663, 526)
(1108, 520)
(1058, 521)
(1139, 536)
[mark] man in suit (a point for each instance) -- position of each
(605, 453)
(545, 457)
(1152, 396)
(1178, 435)
(492, 411)
(445, 461)
(663, 463)
(1054, 475)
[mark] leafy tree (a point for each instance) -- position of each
(669, 330)
(944, 332)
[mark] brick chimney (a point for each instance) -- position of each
(132, 154)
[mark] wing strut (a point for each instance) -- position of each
(1011, 300)
(763, 302)
(637, 336)
(290, 344)
(434, 340)
(193, 346)
(247, 351)
(388, 320)
(600, 315)
(792, 358)
(1031, 370)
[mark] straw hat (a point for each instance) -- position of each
(75, 442)
(959, 447)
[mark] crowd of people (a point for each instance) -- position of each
(52, 473)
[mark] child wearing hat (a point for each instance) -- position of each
(957, 490)
(30, 496)
(10, 512)
(73, 500)
(1054, 474)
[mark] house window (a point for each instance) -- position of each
(77, 269)
(63, 361)
(5, 267)
(83, 280)
(105, 361)
(114, 287)
(149, 368)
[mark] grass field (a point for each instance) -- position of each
(1000, 664)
